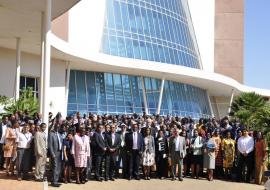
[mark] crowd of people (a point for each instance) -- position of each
(106, 147)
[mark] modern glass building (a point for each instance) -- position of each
(152, 30)
(178, 57)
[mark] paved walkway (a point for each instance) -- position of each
(155, 184)
(11, 183)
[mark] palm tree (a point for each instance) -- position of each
(27, 102)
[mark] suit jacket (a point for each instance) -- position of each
(54, 144)
(129, 141)
(117, 142)
(182, 145)
(101, 143)
(40, 143)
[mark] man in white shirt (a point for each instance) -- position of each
(3, 127)
(24, 140)
(177, 152)
(245, 146)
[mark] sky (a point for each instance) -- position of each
(257, 43)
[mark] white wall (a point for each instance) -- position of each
(86, 21)
(30, 66)
(203, 18)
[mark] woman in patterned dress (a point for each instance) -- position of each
(218, 152)
(148, 153)
(10, 151)
(228, 150)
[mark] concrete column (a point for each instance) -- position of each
(144, 97)
(231, 101)
(67, 82)
(47, 61)
(160, 96)
(18, 68)
(41, 79)
(210, 105)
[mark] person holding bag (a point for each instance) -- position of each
(10, 147)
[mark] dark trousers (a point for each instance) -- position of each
(56, 166)
(89, 168)
(23, 161)
(134, 163)
(98, 165)
(245, 161)
(110, 165)
(2, 159)
(161, 165)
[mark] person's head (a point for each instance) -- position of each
(216, 132)
(228, 135)
(43, 127)
(15, 125)
(25, 128)
(5, 120)
(134, 127)
(82, 131)
(208, 135)
(160, 133)
(69, 136)
(113, 128)
(147, 131)
(259, 135)
(183, 133)
(99, 128)
(245, 132)
(107, 128)
(176, 131)
(196, 133)
(239, 134)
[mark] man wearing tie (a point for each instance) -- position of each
(113, 142)
(134, 145)
(55, 149)
(100, 149)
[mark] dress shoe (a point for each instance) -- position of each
(55, 185)
(112, 179)
(138, 178)
(173, 178)
(129, 178)
(99, 179)
(106, 179)
(180, 179)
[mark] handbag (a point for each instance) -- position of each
(6, 147)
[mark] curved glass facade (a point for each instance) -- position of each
(112, 93)
(154, 30)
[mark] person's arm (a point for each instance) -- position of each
(250, 145)
(50, 145)
(98, 142)
(239, 146)
(65, 152)
(37, 144)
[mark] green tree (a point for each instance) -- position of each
(27, 102)
(247, 106)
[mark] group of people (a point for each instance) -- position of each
(129, 146)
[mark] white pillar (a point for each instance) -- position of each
(67, 82)
(41, 79)
(47, 61)
(18, 68)
(231, 101)
(160, 95)
(144, 97)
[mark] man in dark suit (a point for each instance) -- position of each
(101, 147)
(55, 141)
(113, 141)
(134, 145)
(3, 126)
